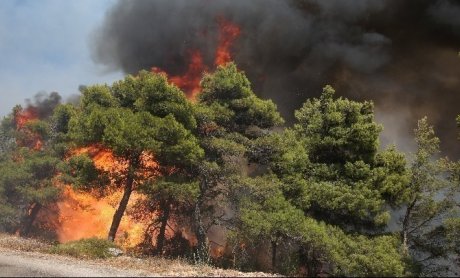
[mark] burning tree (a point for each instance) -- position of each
(138, 117)
(29, 164)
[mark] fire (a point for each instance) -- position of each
(90, 214)
(82, 215)
(24, 116)
(29, 139)
(102, 157)
(189, 82)
(229, 32)
(87, 214)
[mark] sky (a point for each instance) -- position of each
(45, 47)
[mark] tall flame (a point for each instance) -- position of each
(189, 82)
(88, 214)
(229, 32)
(85, 215)
(82, 215)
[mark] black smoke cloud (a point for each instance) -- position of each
(43, 104)
(401, 54)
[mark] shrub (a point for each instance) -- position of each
(92, 248)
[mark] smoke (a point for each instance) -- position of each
(401, 54)
(43, 104)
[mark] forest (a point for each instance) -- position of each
(221, 179)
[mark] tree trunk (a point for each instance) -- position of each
(274, 245)
(147, 243)
(199, 230)
(165, 207)
(123, 204)
(406, 224)
(29, 219)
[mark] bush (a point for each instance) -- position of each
(92, 248)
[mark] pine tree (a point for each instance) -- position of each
(138, 116)
(431, 206)
(330, 170)
(229, 116)
(29, 165)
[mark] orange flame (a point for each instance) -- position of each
(189, 82)
(102, 157)
(229, 32)
(84, 215)
(30, 138)
(24, 116)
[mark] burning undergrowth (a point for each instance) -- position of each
(82, 212)
(89, 213)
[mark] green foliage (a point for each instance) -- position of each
(377, 257)
(431, 203)
(452, 226)
(26, 181)
(172, 188)
(283, 152)
(28, 167)
(391, 176)
(7, 140)
(333, 189)
(62, 115)
(229, 115)
(229, 91)
(338, 130)
(137, 116)
(178, 146)
(152, 93)
(81, 172)
(351, 255)
(266, 215)
(264, 211)
(458, 120)
(315, 197)
(97, 96)
(110, 117)
(331, 165)
(91, 248)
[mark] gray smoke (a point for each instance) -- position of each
(401, 54)
(43, 104)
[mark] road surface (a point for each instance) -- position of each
(25, 264)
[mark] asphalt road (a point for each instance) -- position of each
(22, 264)
(8, 270)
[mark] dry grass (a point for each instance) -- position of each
(22, 244)
(158, 266)
(178, 267)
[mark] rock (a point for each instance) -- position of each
(115, 252)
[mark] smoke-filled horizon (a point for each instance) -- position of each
(403, 55)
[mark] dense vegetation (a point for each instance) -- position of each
(317, 198)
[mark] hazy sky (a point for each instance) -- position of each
(44, 46)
